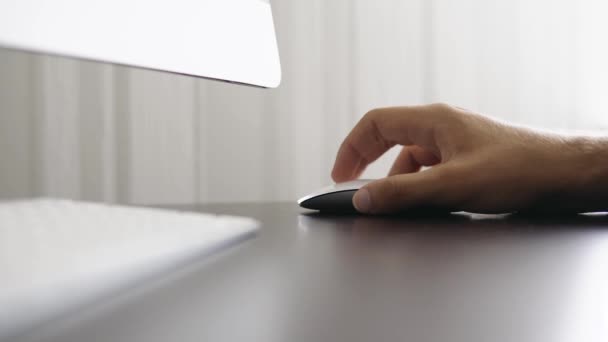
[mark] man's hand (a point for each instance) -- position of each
(478, 164)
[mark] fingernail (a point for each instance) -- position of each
(362, 201)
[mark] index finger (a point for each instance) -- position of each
(379, 130)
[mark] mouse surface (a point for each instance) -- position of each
(334, 198)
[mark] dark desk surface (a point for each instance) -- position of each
(309, 278)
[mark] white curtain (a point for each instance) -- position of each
(538, 62)
(98, 132)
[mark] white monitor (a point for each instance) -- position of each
(231, 40)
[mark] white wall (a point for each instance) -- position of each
(98, 132)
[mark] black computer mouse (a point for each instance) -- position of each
(334, 198)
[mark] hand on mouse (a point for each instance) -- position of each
(477, 164)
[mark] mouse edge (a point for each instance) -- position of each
(306, 198)
(302, 200)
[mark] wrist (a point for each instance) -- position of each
(588, 172)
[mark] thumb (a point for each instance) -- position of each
(400, 192)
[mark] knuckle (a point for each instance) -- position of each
(442, 107)
(391, 187)
(371, 114)
(372, 117)
(442, 174)
(446, 113)
(385, 193)
(374, 124)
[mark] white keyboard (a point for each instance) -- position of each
(56, 255)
